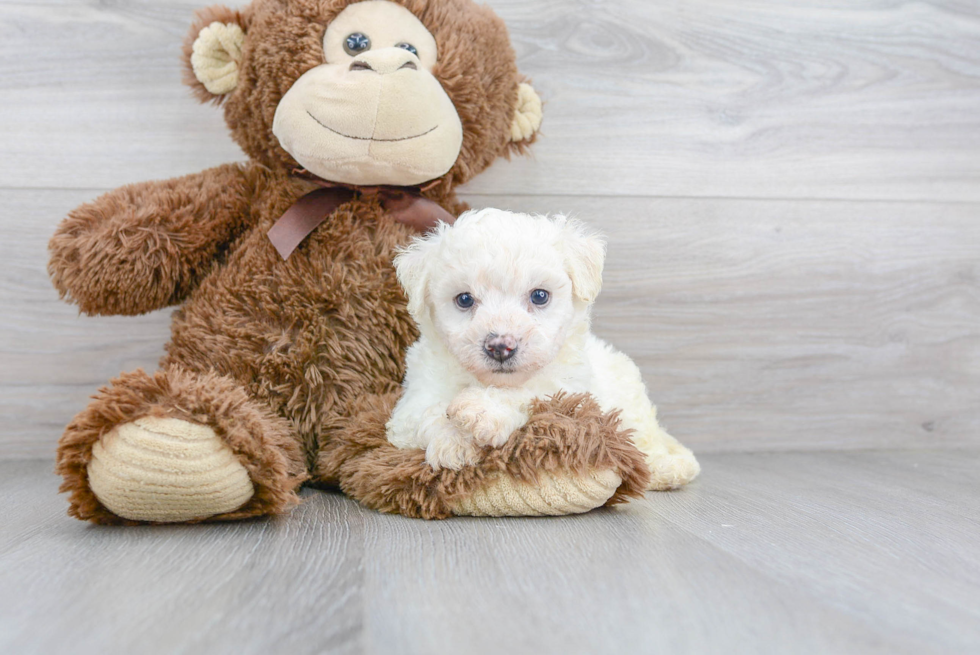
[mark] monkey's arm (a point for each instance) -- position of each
(569, 458)
(145, 246)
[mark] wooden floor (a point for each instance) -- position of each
(791, 194)
(861, 552)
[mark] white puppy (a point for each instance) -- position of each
(502, 301)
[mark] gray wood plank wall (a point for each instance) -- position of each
(791, 192)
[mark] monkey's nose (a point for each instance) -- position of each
(384, 61)
(500, 348)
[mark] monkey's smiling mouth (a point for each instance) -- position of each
(367, 138)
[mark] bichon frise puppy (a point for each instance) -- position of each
(502, 301)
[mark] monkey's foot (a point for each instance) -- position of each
(178, 446)
(554, 494)
(167, 470)
(569, 458)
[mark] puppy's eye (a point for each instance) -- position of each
(409, 47)
(540, 297)
(465, 301)
(357, 43)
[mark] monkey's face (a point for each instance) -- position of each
(373, 113)
(367, 92)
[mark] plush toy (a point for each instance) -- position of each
(359, 119)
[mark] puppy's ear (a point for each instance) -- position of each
(411, 267)
(585, 254)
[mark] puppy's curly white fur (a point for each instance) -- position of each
(503, 306)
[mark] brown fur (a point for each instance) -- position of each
(567, 433)
(146, 246)
(295, 363)
(203, 18)
(262, 441)
(477, 68)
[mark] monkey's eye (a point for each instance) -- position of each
(465, 300)
(409, 47)
(540, 297)
(357, 43)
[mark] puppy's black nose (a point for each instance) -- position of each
(500, 348)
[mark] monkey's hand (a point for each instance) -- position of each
(145, 246)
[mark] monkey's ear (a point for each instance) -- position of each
(585, 255)
(213, 51)
(527, 115)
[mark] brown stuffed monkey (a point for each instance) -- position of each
(359, 120)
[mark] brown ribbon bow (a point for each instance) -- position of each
(404, 204)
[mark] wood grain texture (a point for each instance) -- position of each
(790, 191)
(871, 100)
(767, 325)
(870, 552)
(759, 325)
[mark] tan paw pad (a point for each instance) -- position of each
(552, 495)
(167, 470)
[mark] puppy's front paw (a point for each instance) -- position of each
(451, 451)
(473, 414)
